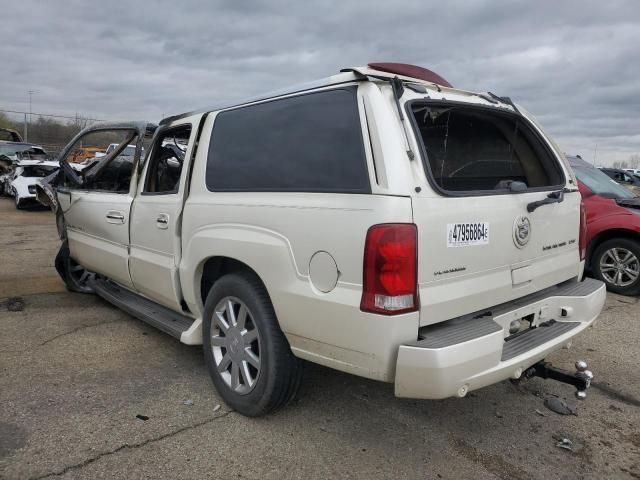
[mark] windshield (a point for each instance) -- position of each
(600, 184)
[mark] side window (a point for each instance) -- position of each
(91, 149)
(308, 143)
(167, 159)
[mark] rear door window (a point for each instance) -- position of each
(308, 143)
(475, 150)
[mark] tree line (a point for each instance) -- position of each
(632, 162)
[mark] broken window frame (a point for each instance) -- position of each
(82, 179)
(526, 123)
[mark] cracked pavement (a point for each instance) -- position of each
(75, 373)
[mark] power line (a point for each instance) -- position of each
(50, 115)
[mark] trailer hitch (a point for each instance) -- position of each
(581, 379)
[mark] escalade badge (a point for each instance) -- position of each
(521, 231)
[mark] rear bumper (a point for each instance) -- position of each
(467, 353)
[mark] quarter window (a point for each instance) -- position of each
(308, 143)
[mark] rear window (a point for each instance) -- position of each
(473, 150)
(308, 143)
(39, 171)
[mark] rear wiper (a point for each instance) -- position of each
(553, 197)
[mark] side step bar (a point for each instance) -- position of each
(146, 310)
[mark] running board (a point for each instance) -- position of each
(144, 309)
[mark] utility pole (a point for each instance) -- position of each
(31, 92)
(595, 155)
(26, 131)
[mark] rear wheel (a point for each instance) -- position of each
(617, 263)
(247, 355)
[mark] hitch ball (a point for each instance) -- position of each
(585, 375)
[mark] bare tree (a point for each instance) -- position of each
(634, 161)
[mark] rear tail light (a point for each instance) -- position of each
(390, 269)
(582, 243)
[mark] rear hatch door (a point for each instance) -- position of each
(501, 219)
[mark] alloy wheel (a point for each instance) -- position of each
(235, 342)
(620, 267)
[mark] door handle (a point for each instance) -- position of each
(162, 221)
(113, 216)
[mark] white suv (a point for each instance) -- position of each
(378, 222)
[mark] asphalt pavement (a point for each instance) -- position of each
(87, 391)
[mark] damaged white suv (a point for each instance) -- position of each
(379, 222)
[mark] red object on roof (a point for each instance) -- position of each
(411, 71)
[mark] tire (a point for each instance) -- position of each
(626, 279)
(19, 205)
(252, 391)
(75, 277)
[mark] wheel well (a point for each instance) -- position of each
(608, 235)
(216, 267)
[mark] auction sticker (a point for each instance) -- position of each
(467, 234)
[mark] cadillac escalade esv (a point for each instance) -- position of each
(379, 222)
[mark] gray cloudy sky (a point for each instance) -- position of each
(574, 64)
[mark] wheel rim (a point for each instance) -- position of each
(78, 273)
(620, 267)
(235, 342)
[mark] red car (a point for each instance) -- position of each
(613, 229)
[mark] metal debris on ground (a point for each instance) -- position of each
(542, 414)
(216, 408)
(560, 407)
(188, 403)
(566, 444)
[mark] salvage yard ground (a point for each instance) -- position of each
(89, 392)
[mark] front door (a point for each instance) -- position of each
(96, 199)
(156, 214)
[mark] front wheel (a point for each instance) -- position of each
(247, 355)
(617, 263)
(74, 275)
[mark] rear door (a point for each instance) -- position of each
(157, 214)
(484, 239)
(96, 202)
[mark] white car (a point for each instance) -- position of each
(26, 175)
(10, 154)
(379, 222)
(635, 171)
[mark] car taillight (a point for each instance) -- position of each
(582, 243)
(390, 283)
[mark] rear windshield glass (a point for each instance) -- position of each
(471, 149)
(39, 171)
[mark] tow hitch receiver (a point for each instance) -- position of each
(581, 379)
